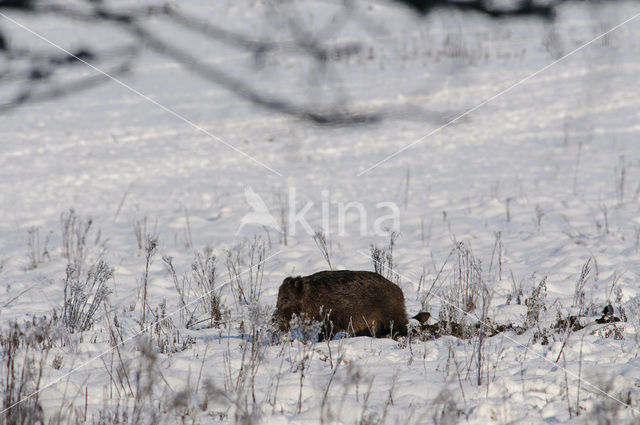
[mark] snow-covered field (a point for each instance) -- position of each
(532, 199)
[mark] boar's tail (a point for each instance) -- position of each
(422, 317)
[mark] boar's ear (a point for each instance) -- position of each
(297, 284)
(294, 282)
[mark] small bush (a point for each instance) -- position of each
(37, 254)
(75, 231)
(245, 265)
(83, 296)
(536, 304)
(383, 263)
(23, 357)
(203, 271)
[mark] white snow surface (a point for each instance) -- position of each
(552, 166)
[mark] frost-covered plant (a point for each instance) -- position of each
(306, 332)
(83, 295)
(304, 329)
(463, 292)
(536, 304)
(23, 356)
(140, 230)
(467, 281)
(150, 248)
(245, 265)
(145, 397)
(429, 292)
(484, 329)
(166, 335)
(185, 311)
(579, 293)
(465, 285)
(75, 231)
(208, 305)
(383, 262)
(37, 254)
(239, 389)
(321, 242)
(516, 293)
(539, 215)
(203, 270)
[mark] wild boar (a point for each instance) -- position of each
(359, 302)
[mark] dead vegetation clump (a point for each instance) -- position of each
(24, 353)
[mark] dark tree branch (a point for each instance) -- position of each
(42, 66)
(260, 47)
(18, 4)
(37, 69)
(129, 21)
(55, 91)
(522, 8)
(240, 88)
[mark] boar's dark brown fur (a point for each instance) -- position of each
(359, 302)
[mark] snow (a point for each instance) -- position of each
(552, 166)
